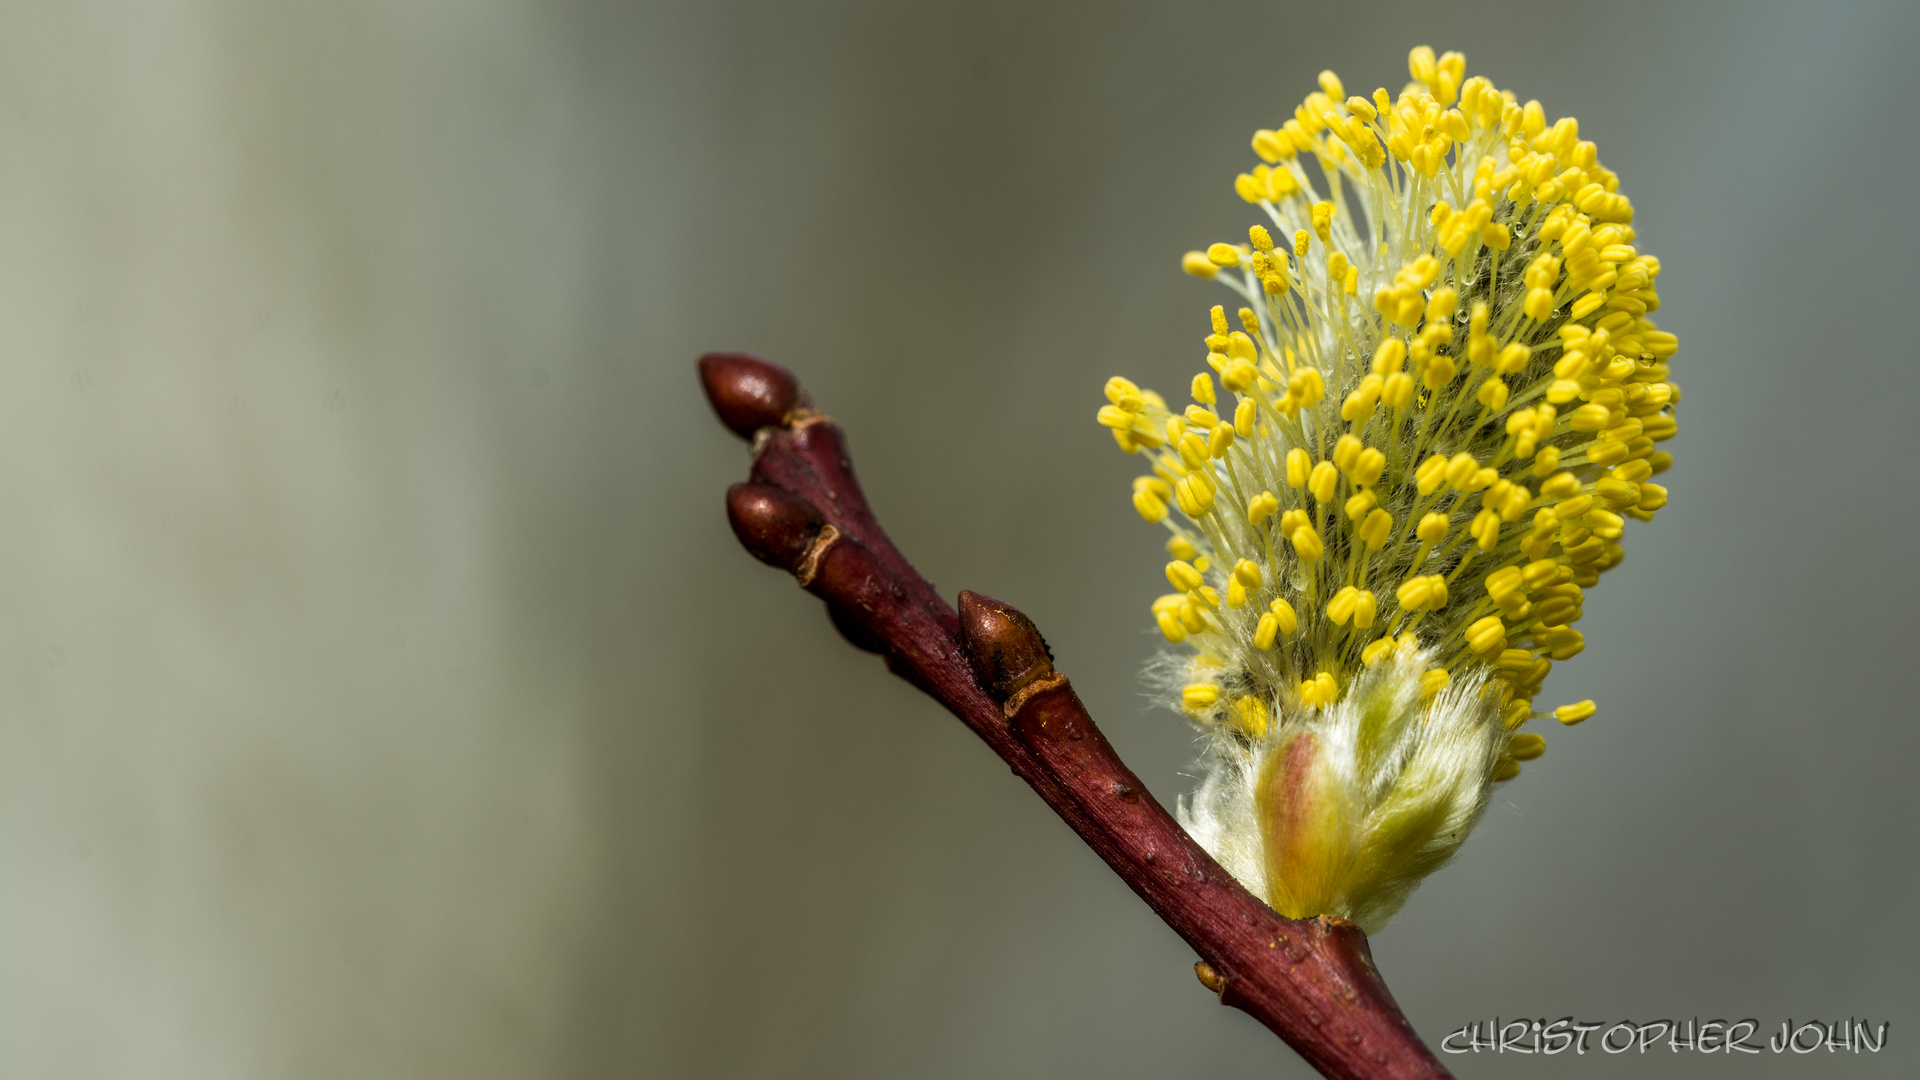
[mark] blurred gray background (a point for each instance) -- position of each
(383, 695)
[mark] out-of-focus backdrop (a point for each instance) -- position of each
(383, 695)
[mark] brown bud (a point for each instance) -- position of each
(775, 527)
(1005, 648)
(747, 392)
(1209, 978)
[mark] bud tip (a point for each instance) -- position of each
(747, 392)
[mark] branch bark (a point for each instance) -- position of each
(1311, 981)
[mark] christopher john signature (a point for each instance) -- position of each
(1542, 1036)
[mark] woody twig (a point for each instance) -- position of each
(1311, 981)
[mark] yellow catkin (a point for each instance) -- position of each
(1384, 441)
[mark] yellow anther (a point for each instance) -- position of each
(1307, 543)
(1182, 575)
(1240, 375)
(1217, 316)
(1261, 507)
(1588, 304)
(1320, 691)
(1193, 450)
(1194, 494)
(1359, 404)
(1364, 608)
(1493, 394)
(1337, 267)
(1420, 64)
(1197, 264)
(1250, 716)
(1151, 506)
(1569, 509)
(1362, 108)
(1301, 241)
(1546, 460)
(1223, 255)
(1431, 473)
(1485, 529)
(1372, 653)
(1245, 415)
(1220, 440)
(1202, 393)
(1505, 768)
(1526, 745)
(1241, 347)
(1561, 485)
(1260, 239)
(1323, 481)
(1236, 594)
(1357, 506)
(1388, 358)
(1377, 529)
(1368, 466)
(1576, 712)
(1123, 393)
(1617, 492)
(1307, 387)
(1170, 626)
(1199, 697)
(1512, 359)
(1412, 593)
(1504, 582)
(1517, 713)
(1434, 681)
(1487, 636)
(1322, 218)
(1346, 451)
(1115, 417)
(1513, 505)
(1247, 573)
(1461, 469)
(1563, 642)
(1341, 607)
(1533, 120)
(1205, 594)
(1292, 520)
(1330, 85)
(1283, 611)
(1589, 417)
(1191, 615)
(1432, 528)
(1182, 548)
(1299, 465)
(1198, 417)
(1397, 391)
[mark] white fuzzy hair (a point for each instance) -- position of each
(1413, 780)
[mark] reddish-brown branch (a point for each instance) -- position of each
(1311, 981)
